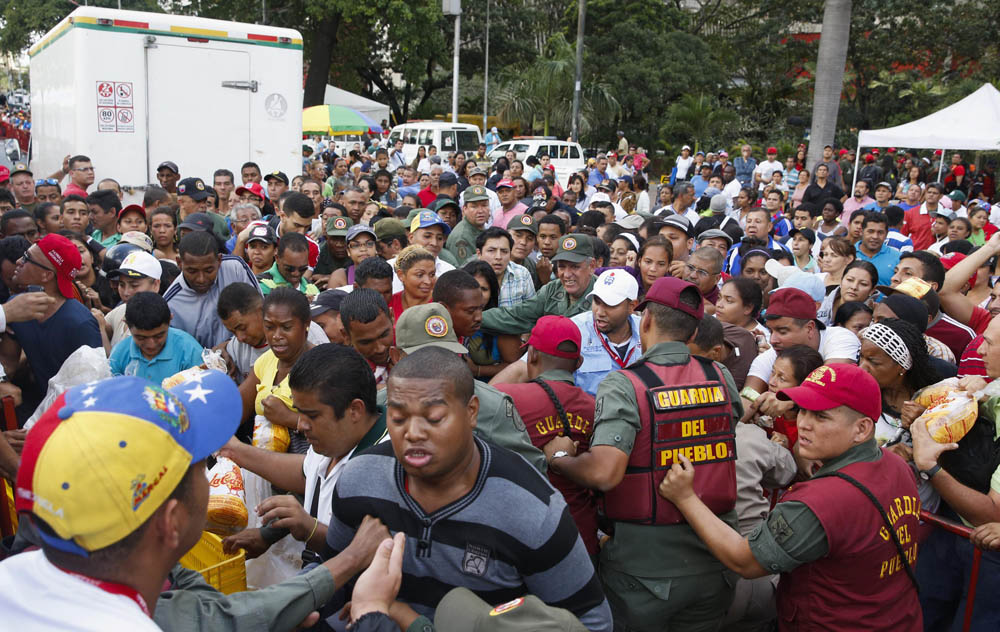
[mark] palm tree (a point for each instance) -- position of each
(829, 75)
(543, 93)
(698, 118)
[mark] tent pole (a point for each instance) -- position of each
(941, 166)
(857, 159)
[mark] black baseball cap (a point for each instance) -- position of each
(325, 301)
(263, 232)
(198, 221)
(276, 175)
(168, 164)
(447, 179)
(194, 188)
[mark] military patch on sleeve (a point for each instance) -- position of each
(780, 529)
(598, 408)
(462, 250)
(514, 417)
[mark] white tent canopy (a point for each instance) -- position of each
(372, 109)
(972, 123)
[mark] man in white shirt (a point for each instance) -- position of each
(334, 393)
(762, 174)
(138, 272)
(683, 203)
(791, 319)
(683, 163)
(110, 534)
(615, 169)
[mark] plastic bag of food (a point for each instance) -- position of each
(212, 359)
(227, 507)
(936, 393)
(951, 417)
(180, 377)
(270, 436)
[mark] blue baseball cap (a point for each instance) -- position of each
(426, 219)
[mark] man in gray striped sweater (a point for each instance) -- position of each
(475, 515)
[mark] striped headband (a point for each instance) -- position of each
(889, 341)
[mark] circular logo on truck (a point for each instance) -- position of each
(275, 105)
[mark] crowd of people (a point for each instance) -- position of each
(506, 400)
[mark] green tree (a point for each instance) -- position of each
(697, 119)
(541, 95)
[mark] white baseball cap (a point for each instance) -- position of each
(614, 286)
(140, 264)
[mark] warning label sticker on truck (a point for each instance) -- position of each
(115, 107)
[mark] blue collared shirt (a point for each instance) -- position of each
(180, 352)
(885, 261)
(597, 363)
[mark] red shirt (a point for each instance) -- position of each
(426, 197)
(952, 333)
(917, 226)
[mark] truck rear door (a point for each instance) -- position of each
(199, 107)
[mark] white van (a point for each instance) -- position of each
(565, 156)
(447, 137)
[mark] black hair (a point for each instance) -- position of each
(225, 173)
(602, 254)
(493, 232)
(76, 159)
(552, 218)
(363, 305)
(7, 196)
(168, 272)
(295, 301)
(296, 242)
(154, 196)
(72, 197)
(963, 246)
(337, 375)
(106, 199)
(450, 284)
(613, 231)
(894, 215)
(592, 218)
(674, 323)
(198, 243)
(804, 360)
(875, 217)
(17, 213)
(13, 248)
(42, 210)
(964, 221)
(856, 214)
(483, 269)
(780, 254)
(300, 204)
(372, 268)
(237, 297)
(858, 264)
(709, 333)
(847, 311)
(435, 363)
(250, 164)
(750, 293)
(933, 268)
(147, 310)
(163, 210)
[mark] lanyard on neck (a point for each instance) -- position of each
(622, 362)
(114, 589)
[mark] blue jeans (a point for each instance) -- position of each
(943, 567)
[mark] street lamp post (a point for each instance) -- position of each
(486, 69)
(454, 7)
(577, 86)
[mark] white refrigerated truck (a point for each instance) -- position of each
(131, 90)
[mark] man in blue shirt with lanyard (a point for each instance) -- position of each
(610, 330)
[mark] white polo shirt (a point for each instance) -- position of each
(834, 342)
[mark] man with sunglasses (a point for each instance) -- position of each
(66, 325)
(48, 190)
(289, 267)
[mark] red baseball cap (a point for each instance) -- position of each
(772, 150)
(841, 152)
(550, 332)
(958, 170)
(792, 303)
(66, 259)
(875, 152)
(833, 385)
(505, 183)
(869, 158)
(130, 208)
(952, 259)
(4, 174)
(667, 291)
(937, 152)
(254, 188)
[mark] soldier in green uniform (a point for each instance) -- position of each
(524, 230)
(656, 572)
(498, 421)
(475, 213)
(563, 296)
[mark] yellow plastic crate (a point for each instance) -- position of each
(228, 574)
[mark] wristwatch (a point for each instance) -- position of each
(929, 474)
(558, 454)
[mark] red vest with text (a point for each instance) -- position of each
(544, 424)
(861, 583)
(684, 409)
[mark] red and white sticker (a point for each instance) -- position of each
(115, 107)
